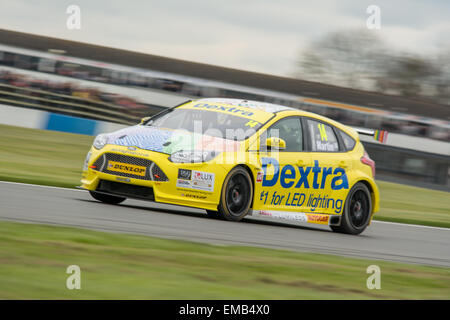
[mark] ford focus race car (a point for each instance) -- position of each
(235, 158)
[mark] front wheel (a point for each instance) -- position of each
(236, 196)
(106, 198)
(357, 210)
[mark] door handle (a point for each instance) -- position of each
(343, 164)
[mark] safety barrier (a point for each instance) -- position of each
(72, 105)
(39, 119)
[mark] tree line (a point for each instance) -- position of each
(359, 59)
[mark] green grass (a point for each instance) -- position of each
(42, 157)
(34, 259)
(55, 158)
(400, 203)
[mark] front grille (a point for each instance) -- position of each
(152, 172)
(126, 190)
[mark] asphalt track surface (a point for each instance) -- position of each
(75, 208)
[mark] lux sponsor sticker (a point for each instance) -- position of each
(195, 180)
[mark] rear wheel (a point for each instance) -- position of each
(236, 196)
(106, 198)
(357, 210)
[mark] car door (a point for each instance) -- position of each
(330, 164)
(280, 187)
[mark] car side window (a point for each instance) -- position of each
(323, 138)
(290, 130)
(349, 142)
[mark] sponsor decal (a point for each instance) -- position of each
(183, 183)
(195, 196)
(295, 216)
(252, 123)
(195, 180)
(299, 199)
(318, 218)
(290, 176)
(184, 174)
(230, 109)
(262, 106)
(126, 168)
(123, 179)
(203, 176)
(259, 176)
(130, 152)
(324, 202)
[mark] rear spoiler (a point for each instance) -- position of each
(378, 135)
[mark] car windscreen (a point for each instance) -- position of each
(212, 123)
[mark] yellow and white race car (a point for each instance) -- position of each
(235, 158)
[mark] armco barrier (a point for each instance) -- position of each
(38, 119)
(59, 122)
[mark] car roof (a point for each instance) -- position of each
(279, 109)
(251, 104)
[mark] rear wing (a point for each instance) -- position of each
(378, 135)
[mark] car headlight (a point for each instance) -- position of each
(193, 156)
(100, 141)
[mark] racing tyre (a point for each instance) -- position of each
(357, 211)
(106, 198)
(236, 196)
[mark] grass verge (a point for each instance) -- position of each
(55, 158)
(34, 259)
(406, 204)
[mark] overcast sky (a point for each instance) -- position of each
(257, 35)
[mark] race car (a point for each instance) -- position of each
(237, 158)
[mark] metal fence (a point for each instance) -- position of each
(408, 166)
(72, 105)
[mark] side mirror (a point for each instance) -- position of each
(144, 120)
(275, 143)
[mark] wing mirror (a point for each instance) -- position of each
(275, 143)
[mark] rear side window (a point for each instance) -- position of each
(322, 137)
(349, 142)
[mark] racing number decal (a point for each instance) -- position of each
(251, 123)
(323, 132)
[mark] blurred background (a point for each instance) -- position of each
(101, 74)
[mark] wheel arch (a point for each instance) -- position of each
(372, 191)
(252, 179)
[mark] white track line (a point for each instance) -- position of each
(374, 221)
(410, 225)
(41, 186)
